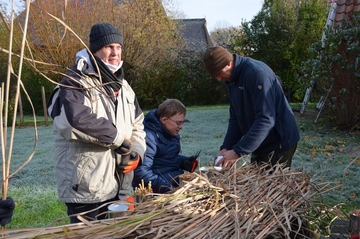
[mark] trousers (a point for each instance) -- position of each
(95, 213)
(284, 157)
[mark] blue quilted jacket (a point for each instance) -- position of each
(162, 163)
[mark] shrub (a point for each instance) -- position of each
(334, 68)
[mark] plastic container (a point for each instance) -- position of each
(217, 159)
(117, 210)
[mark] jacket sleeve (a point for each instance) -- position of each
(74, 119)
(262, 94)
(144, 172)
(181, 159)
(233, 134)
(138, 133)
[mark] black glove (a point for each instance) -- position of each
(190, 164)
(125, 148)
(129, 162)
(6, 210)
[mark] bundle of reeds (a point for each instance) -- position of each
(245, 202)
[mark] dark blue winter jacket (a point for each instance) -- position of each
(162, 163)
(261, 119)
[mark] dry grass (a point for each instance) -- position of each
(245, 202)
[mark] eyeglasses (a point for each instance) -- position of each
(178, 123)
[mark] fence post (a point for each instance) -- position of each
(44, 105)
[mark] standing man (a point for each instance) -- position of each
(99, 134)
(163, 162)
(261, 120)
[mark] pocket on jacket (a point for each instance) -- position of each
(92, 176)
(131, 107)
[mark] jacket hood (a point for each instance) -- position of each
(152, 122)
(84, 55)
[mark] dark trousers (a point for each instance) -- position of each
(75, 208)
(284, 157)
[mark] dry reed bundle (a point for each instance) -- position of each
(245, 202)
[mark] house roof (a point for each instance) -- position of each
(195, 34)
(345, 9)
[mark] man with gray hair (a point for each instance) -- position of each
(99, 134)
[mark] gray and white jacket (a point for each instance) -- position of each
(89, 122)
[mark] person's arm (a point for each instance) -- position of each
(233, 133)
(232, 137)
(69, 107)
(144, 172)
(263, 95)
(181, 159)
(138, 133)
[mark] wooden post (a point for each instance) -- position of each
(44, 105)
(21, 112)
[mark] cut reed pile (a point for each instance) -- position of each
(245, 202)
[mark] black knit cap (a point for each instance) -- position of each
(103, 34)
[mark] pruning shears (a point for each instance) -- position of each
(195, 161)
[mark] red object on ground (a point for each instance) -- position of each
(355, 237)
(130, 199)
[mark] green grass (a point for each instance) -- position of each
(321, 151)
(34, 187)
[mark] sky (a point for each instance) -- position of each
(223, 13)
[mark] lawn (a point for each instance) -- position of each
(322, 151)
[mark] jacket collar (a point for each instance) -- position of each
(238, 60)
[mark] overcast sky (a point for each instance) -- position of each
(223, 13)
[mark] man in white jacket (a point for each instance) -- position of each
(99, 134)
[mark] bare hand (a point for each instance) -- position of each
(229, 158)
(221, 152)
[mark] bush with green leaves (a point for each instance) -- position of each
(334, 69)
(280, 34)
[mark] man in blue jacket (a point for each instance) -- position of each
(163, 163)
(261, 120)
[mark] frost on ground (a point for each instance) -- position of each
(325, 153)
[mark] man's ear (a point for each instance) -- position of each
(162, 120)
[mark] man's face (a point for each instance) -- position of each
(225, 73)
(174, 123)
(110, 54)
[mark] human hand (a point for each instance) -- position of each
(221, 152)
(129, 162)
(228, 159)
(125, 148)
(6, 210)
(190, 164)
